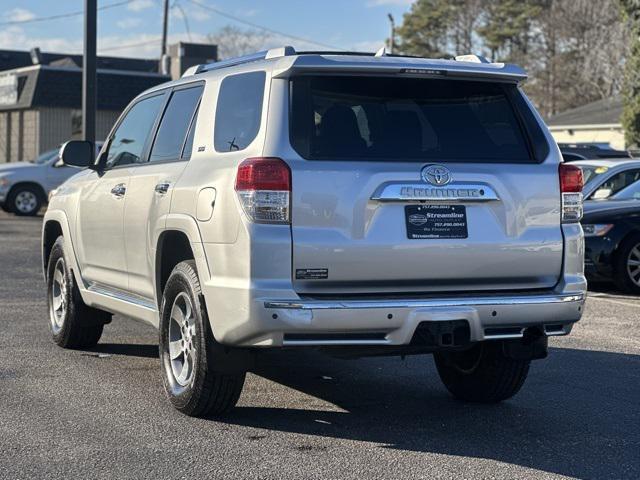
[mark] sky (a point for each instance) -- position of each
(133, 28)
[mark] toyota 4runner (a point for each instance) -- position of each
(360, 204)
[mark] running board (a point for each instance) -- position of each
(124, 303)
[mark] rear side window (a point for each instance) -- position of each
(407, 119)
(175, 123)
(239, 111)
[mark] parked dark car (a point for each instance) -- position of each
(590, 151)
(612, 240)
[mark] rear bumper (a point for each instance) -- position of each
(281, 322)
(393, 322)
(257, 306)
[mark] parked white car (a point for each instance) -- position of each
(25, 186)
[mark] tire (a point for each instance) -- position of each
(483, 374)
(73, 324)
(192, 380)
(626, 267)
(5, 208)
(25, 201)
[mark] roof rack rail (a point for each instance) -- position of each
(231, 62)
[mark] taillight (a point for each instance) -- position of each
(263, 186)
(571, 183)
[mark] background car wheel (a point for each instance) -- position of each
(25, 200)
(73, 324)
(481, 374)
(627, 265)
(191, 378)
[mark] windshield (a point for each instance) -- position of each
(45, 157)
(591, 173)
(407, 119)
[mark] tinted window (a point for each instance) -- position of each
(130, 137)
(405, 119)
(239, 111)
(630, 193)
(174, 125)
(616, 183)
(571, 157)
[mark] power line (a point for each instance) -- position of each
(129, 45)
(62, 15)
(261, 27)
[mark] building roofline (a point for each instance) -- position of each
(105, 71)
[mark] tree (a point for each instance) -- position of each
(233, 41)
(631, 110)
(573, 50)
(425, 28)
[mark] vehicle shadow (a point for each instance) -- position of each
(130, 350)
(577, 415)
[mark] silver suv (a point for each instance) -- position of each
(364, 205)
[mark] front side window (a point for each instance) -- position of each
(175, 123)
(406, 119)
(239, 111)
(128, 141)
(615, 184)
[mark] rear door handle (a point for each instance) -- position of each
(119, 190)
(162, 188)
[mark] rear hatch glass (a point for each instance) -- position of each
(407, 119)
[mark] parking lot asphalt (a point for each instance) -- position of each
(102, 413)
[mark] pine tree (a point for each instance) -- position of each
(425, 28)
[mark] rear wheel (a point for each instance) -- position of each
(25, 200)
(73, 324)
(482, 374)
(192, 379)
(627, 265)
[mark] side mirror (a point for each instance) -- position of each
(77, 153)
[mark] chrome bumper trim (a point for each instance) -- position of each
(425, 303)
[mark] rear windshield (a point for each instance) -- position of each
(409, 119)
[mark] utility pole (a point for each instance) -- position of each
(165, 27)
(392, 38)
(89, 75)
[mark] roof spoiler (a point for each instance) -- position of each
(306, 61)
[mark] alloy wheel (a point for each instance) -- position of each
(26, 201)
(633, 265)
(182, 339)
(58, 296)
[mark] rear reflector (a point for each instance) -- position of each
(263, 186)
(571, 183)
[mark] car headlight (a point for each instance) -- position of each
(596, 229)
(4, 182)
(52, 193)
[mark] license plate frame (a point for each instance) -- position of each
(436, 222)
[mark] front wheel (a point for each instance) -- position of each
(482, 374)
(73, 324)
(194, 382)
